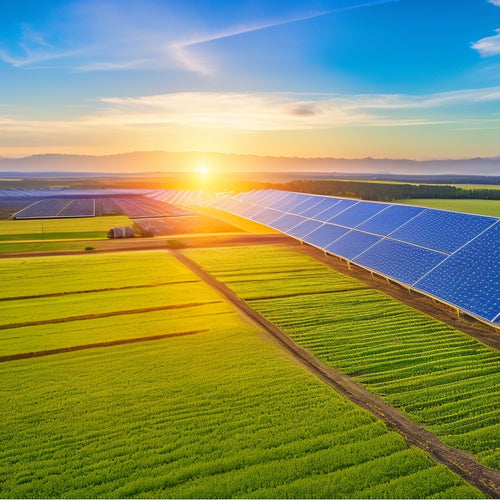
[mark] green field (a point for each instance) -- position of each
(51, 229)
(65, 292)
(223, 413)
(481, 207)
(438, 376)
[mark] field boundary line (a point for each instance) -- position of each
(106, 315)
(462, 463)
(61, 350)
(96, 290)
(301, 294)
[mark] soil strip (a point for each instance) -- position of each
(96, 290)
(105, 315)
(50, 352)
(460, 462)
(300, 294)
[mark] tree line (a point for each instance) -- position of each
(377, 191)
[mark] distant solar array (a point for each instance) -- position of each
(58, 208)
(454, 257)
(183, 197)
(95, 203)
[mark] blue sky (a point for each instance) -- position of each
(341, 78)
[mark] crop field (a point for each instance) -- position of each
(480, 207)
(50, 229)
(177, 419)
(219, 413)
(62, 301)
(438, 376)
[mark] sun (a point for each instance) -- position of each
(203, 170)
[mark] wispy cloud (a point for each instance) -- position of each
(489, 46)
(106, 37)
(190, 62)
(273, 111)
(288, 111)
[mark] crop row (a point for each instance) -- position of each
(84, 289)
(58, 274)
(434, 373)
(218, 415)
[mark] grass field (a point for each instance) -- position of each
(177, 419)
(64, 293)
(438, 376)
(50, 229)
(222, 413)
(481, 207)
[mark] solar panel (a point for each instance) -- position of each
(291, 203)
(251, 211)
(470, 278)
(249, 195)
(325, 235)
(266, 216)
(337, 207)
(304, 228)
(269, 197)
(352, 244)
(442, 230)
(320, 207)
(390, 219)
(238, 207)
(305, 205)
(284, 201)
(358, 213)
(286, 222)
(452, 256)
(400, 261)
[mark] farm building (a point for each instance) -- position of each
(121, 232)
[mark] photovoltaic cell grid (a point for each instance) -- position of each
(452, 256)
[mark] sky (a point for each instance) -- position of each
(416, 79)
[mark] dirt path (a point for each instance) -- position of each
(161, 243)
(50, 352)
(464, 464)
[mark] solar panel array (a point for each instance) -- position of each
(454, 257)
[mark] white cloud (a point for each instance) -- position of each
(273, 111)
(100, 36)
(289, 111)
(495, 2)
(489, 46)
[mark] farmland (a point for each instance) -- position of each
(481, 207)
(49, 229)
(221, 413)
(54, 234)
(438, 376)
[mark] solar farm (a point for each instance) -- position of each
(268, 360)
(451, 256)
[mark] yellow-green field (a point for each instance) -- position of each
(440, 377)
(55, 234)
(215, 414)
(480, 207)
(49, 229)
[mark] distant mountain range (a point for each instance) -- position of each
(162, 162)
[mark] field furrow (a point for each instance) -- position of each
(429, 370)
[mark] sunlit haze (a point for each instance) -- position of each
(414, 79)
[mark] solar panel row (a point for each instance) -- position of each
(452, 256)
